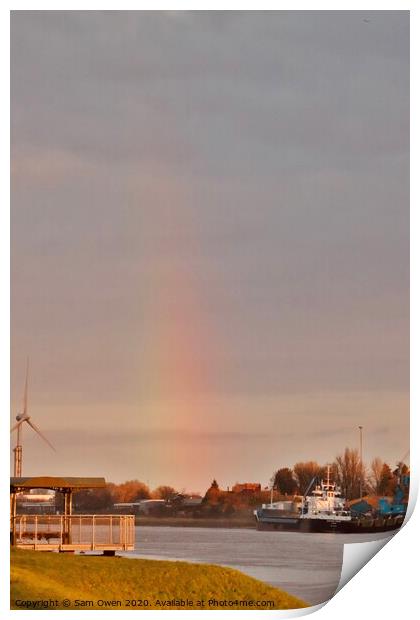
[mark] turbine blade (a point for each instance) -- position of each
(16, 426)
(25, 394)
(36, 429)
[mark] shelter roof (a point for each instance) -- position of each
(57, 483)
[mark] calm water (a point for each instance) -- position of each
(306, 565)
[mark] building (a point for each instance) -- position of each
(142, 506)
(37, 500)
(248, 488)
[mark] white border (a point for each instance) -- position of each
(386, 586)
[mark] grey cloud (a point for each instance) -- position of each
(259, 160)
(259, 82)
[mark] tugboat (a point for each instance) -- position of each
(325, 510)
(322, 511)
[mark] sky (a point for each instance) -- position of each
(209, 241)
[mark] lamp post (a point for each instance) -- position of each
(361, 460)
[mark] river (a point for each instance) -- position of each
(306, 565)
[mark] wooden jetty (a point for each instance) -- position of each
(67, 532)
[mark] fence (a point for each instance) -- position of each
(74, 532)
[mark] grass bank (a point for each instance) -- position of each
(61, 581)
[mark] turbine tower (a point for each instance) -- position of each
(21, 418)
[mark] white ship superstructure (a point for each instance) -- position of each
(325, 502)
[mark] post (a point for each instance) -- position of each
(67, 515)
(13, 517)
(361, 460)
(65, 520)
(17, 469)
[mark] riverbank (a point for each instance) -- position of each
(216, 522)
(60, 581)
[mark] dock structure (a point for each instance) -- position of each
(67, 532)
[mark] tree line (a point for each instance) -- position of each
(347, 471)
(126, 492)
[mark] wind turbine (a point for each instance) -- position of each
(21, 418)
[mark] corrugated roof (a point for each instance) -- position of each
(53, 482)
(372, 500)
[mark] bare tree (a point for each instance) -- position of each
(375, 474)
(304, 473)
(388, 481)
(163, 492)
(131, 491)
(349, 474)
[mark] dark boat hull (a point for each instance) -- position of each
(361, 525)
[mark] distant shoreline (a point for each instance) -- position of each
(216, 522)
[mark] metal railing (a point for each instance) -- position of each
(76, 531)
